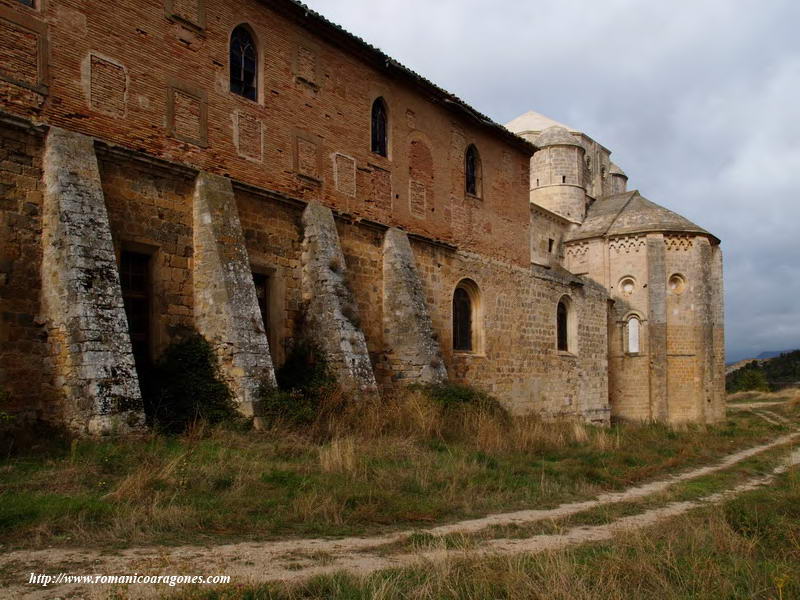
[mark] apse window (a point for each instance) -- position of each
(244, 63)
(677, 284)
(466, 304)
(633, 331)
(380, 133)
(627, 286)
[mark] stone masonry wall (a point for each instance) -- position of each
(25, 366)
(81, 295)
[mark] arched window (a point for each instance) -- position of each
(467, 335)
(562, 323)
(634, 327)
(462, 320)
(379, 128)
(472, 171)
(244, 63)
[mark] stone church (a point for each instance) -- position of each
(250, 170)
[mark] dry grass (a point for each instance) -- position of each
(405, 461)
(788, 394)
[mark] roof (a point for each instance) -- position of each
(614, 169)
(534, 122)
(336, 34)
(630, 212)
(555, 136)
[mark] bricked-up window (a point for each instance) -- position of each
(472, 171)
(134, 272)
(244, 63)
(380, 139)
(634, 329)
(562, 323)
(462, 320)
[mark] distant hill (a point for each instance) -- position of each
(773, 354)
(764, 373)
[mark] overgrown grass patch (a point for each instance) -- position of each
(403, 463)
(747, 548)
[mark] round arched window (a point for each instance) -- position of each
(677, 284)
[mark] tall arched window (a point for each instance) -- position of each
(462, 320)
(379, 128)
(634, 327)
(472, 171)
(244, 63)
(562, 325)
(467, 335)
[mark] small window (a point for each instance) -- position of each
(262, 295)
(244, 63)
(30, 3)
(633, 330)
(380, 141)
(562, 321)
(472, 171)
(563, 179)
(550, 243)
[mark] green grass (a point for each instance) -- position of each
(228, 485)
(748, 547)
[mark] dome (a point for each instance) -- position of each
(555, 136)
(613, 169)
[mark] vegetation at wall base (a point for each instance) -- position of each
(185, 387)
(402, 462)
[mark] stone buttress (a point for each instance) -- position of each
(81, 294)
(331, 319)
(225, 304)
(411, 348)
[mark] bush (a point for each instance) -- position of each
(186, 387)
(454, 395)
(304, 383)
(749, 377)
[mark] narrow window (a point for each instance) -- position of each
(134, 273)
(472, 171)
(634, 327)
(262, 295)
(379, 128)
(563, 179)
(562, 321)
(462, 320)
(550, 243)
(30, 3)
(244, 61)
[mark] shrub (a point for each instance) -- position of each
(304, 382)
(186, 387)
(454, 395)
(749, 377)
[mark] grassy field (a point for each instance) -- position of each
(406, 462)
(747, 548)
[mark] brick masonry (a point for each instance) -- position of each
(292, 188)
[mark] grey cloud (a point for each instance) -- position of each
(697, 99)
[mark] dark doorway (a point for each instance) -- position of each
(462, 320)
(134, 274)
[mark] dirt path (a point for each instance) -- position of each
(296, 559)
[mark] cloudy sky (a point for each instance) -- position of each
(699, 100)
